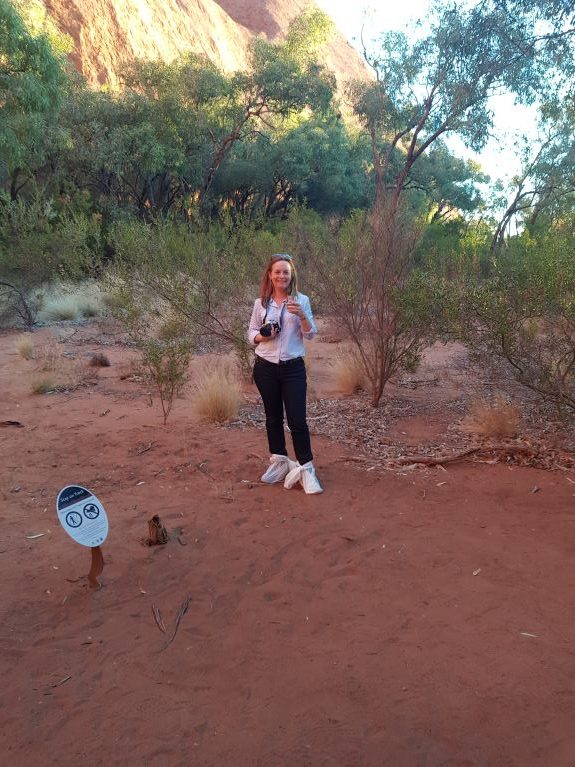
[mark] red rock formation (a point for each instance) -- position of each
(108, 33)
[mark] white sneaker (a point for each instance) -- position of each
(307, 476)
(280, 466)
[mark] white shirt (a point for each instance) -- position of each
(288, 344)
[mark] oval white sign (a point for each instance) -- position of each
(82, 515)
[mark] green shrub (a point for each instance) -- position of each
(39, 244)
(525, 313)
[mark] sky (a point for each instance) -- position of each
(349, 14)
(499, 159)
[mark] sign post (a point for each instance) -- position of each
(84, 518)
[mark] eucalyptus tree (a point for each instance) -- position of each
(245, 182)
(443, 82)
(425, 88)
(32, 81)
(448, 184)
(124, 148)
(546, 178)
(204, 112)
(314, 161)
(545, 185)
(321, 161)
(282, 79)
(191, 98)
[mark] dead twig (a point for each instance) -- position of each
(158, 618)
(144, 448)
(200, 466)
(181, 612)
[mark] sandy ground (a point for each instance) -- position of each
(415, 619)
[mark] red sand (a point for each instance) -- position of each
(422, 619)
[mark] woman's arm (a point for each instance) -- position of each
(254, 336)
(312, 331)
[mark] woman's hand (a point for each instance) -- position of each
(258, 338)
(294, 307)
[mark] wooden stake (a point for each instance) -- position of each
(96, 568)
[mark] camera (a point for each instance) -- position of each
(266, 330)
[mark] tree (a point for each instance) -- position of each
(322, 163)
(32, 80)
(164, 140)
(125, 147)
(443, 82)
(423, 90)
(388, 329)
(282, 79)
(546, 183)
(312, 160)
(448, 183)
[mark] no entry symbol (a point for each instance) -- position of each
(91, 511)
(73, 519)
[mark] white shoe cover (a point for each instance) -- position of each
(307, 476)
(280, 466)
(293, 477)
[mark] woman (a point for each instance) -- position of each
(280, 320)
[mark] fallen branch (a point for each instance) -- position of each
(427, 460)
(525, 455)
(416, 381)
(353, 459)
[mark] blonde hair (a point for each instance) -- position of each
(267, 288)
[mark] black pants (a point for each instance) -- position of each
(279, 386)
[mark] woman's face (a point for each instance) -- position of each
(280, 275)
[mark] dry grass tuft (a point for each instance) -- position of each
(58, 372)
(44, 385)
(62, 308)
(309, 371)
(25, 346)
(99, 360)
(216, 391)
(348, 370)
(64, 301)
(49, 356)
(499, 418)
(81, 373)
